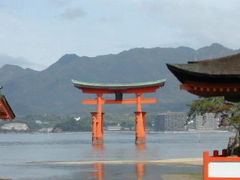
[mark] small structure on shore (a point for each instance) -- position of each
(15, 127)
(114, 128)
(119, 89)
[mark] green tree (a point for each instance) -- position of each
(228, 112)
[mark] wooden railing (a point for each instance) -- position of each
(220, 167)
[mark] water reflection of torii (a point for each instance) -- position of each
(99, 173)
(99, 167)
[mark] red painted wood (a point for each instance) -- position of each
(125, 101)
(106, 91)
(216, 158)
(210, 87)
(5, 111)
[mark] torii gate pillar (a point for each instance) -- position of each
(140, 122)
(97, 128)
(97, 122)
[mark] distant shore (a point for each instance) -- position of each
(120, 131)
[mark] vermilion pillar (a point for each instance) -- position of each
(97, 128)
(98, 122)
(140, 124)
(140, 127)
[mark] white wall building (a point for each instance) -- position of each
(206, 122)
(15, 127)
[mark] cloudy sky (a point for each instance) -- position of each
(36, 33)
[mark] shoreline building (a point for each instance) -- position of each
(170, 121)
(15, 127)
(206, 122)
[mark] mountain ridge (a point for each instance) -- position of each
(51, 90)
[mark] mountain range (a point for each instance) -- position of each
(51, 92)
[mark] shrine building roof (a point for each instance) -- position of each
(211, 77)
(219, 70)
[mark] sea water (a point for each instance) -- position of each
(26, 156)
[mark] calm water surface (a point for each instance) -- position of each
(17, 150)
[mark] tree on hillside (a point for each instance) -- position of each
(228, 112)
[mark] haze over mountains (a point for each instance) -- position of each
(51, 90)
(20, 61)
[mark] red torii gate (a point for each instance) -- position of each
(119, 89)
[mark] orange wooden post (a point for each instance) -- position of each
(97, 129)
(94, 125)
(205, 165)
(140, 121)
(97, 124)
(144, 121)
(140, 128)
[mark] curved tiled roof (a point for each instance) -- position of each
(118, 86)
(221, 70)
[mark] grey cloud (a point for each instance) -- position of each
(73, 13)
(206, 21)
(69, 9)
